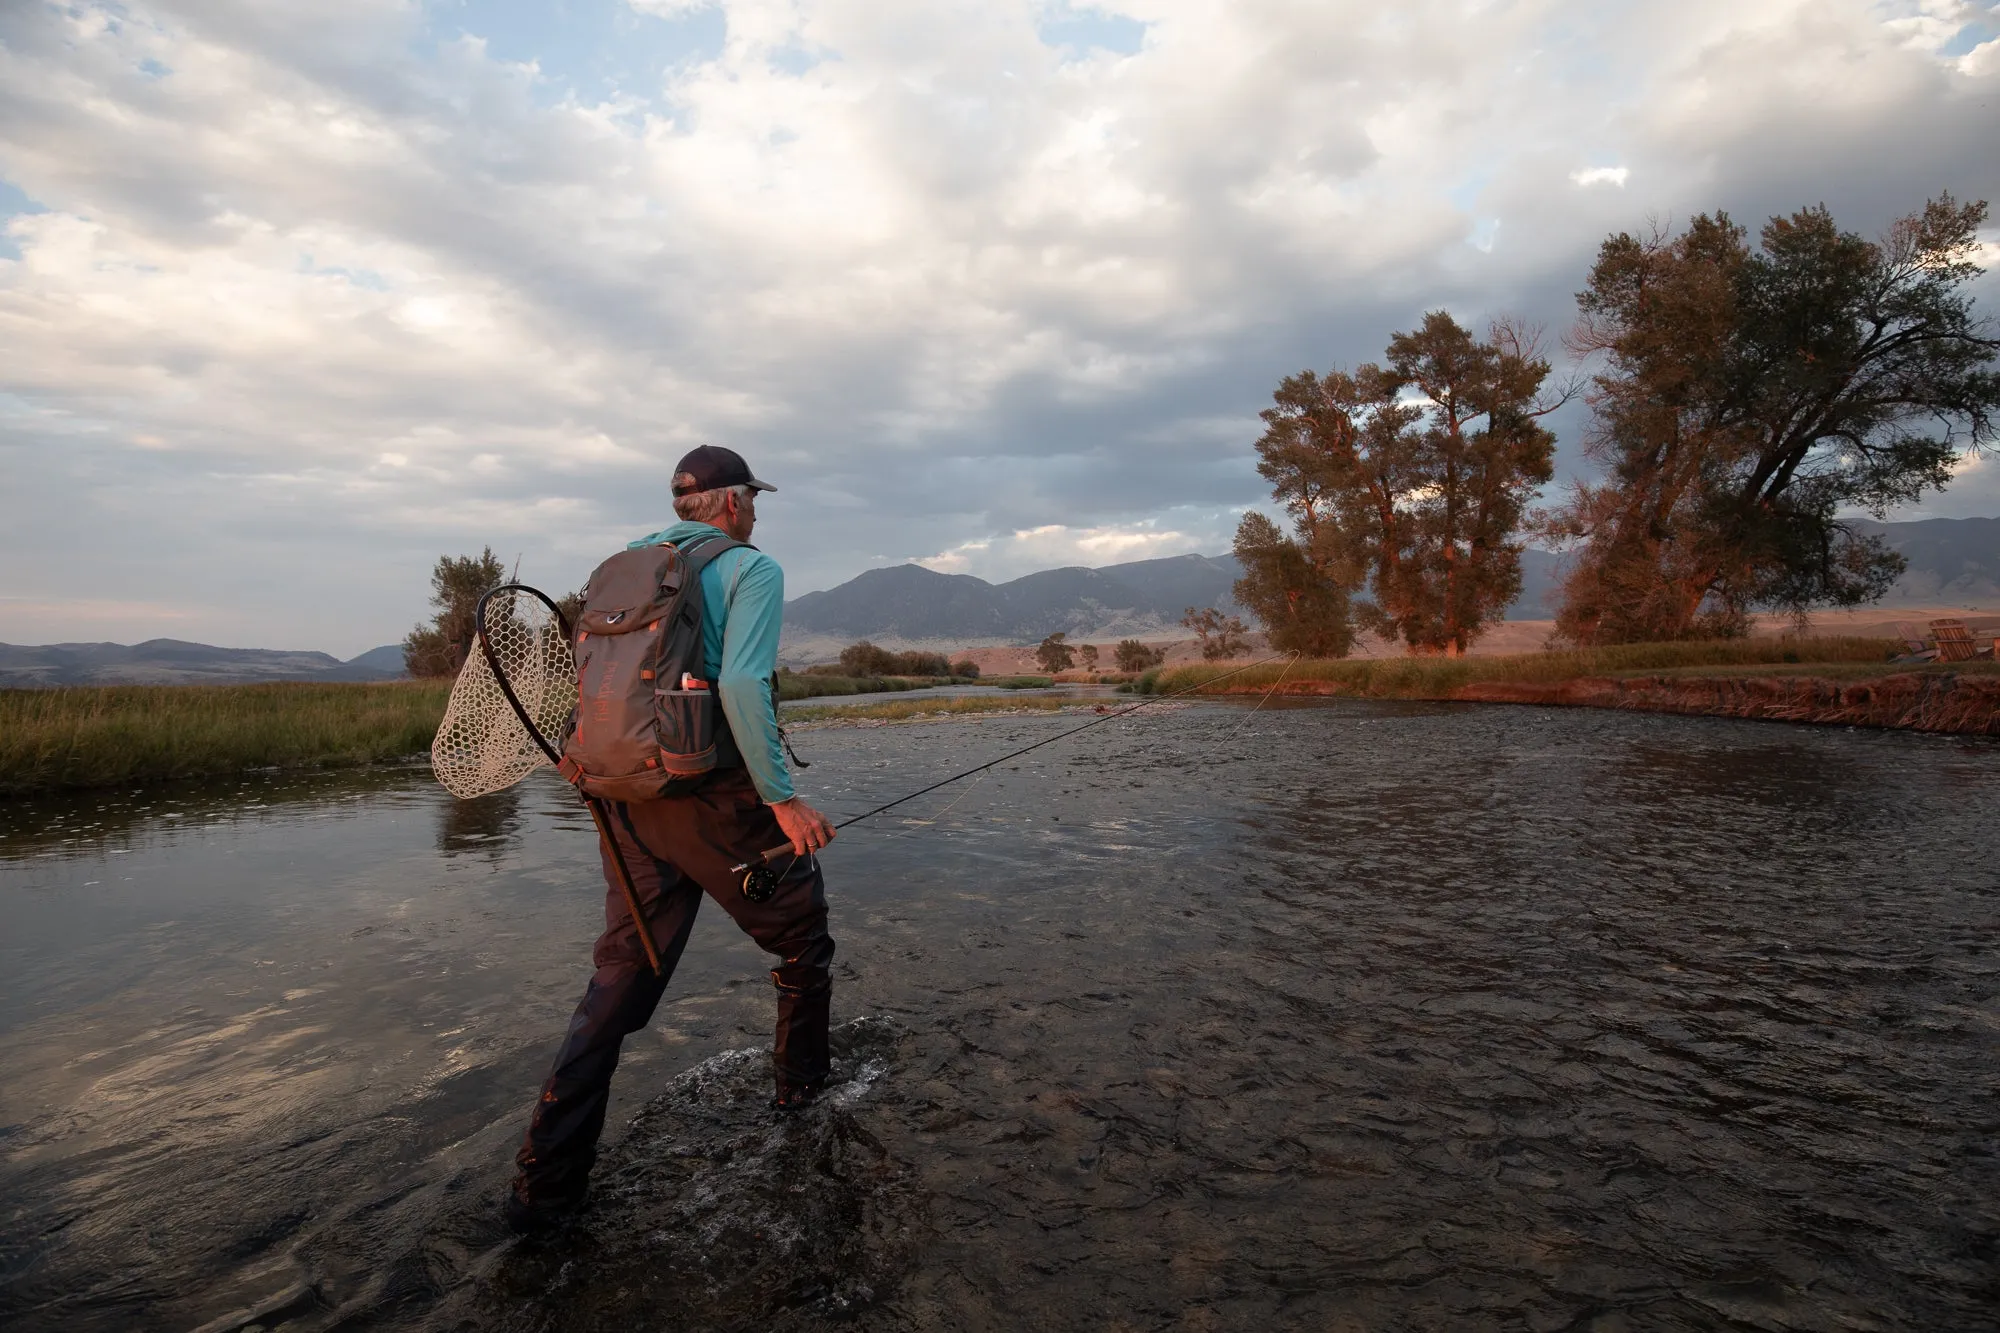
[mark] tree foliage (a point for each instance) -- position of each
(1132, 655)
(1054, 653)
(1220, 636)
(866, 659)
(1087, 654)
(1750, 396)
(1410, 478)
(1303, 609)
(457, 584)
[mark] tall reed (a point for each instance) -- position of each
(95, 736)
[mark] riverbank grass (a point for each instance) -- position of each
(116, 735)
(1437, 677)
(804, 685)
(906, 710)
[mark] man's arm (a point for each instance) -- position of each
(754, 592)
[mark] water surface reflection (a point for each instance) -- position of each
(1385, 1016)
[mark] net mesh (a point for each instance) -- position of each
(481, 746)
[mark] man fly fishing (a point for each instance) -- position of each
(676, 739)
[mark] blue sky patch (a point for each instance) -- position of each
(14, 201)
(367, 279)
(1973, 34)
(794, 60)
(592, 50)
(1083, 29)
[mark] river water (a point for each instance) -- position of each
(1334, 1016)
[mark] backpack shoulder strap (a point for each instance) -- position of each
(701, 550)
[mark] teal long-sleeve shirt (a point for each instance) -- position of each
(743, 608)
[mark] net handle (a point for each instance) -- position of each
(500, 673)
(595, 806)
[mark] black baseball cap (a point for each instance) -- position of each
(712, 468)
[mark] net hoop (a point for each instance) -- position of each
(522, 660)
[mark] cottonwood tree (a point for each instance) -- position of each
(1088, 654)
(1303, 609)
(1410, 478)
(1749, 397)
(1054, 654)
(457, 584)
(1220, 636)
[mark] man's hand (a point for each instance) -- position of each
(808, 829)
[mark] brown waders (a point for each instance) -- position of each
(677, 848)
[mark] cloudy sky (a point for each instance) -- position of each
(296, 295)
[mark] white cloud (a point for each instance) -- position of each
(1053, 545)
(1590, 176)
(949, 283)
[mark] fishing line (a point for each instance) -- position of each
(757, 877)
(956, 801)
(1245, 720)
(1051, 740)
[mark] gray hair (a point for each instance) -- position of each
(701, 506)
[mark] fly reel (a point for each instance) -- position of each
(759, 883)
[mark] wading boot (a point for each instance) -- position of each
(538, 1217)
(791, 1101)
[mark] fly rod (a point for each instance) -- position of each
(758, 882)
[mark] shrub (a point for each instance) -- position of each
(865, 659)
(1132, 655)
(1054, 654)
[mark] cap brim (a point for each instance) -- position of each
(757, 485)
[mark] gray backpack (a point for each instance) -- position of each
(646, 723)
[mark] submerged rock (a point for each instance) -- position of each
(713, 1213)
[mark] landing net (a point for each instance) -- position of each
(481, 746)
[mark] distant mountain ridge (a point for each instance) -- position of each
(1952, 561)
(177, 662)
(912, 604)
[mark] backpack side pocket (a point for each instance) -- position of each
(688, 723)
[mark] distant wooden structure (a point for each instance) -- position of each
(1914, 640)
(1954, 641)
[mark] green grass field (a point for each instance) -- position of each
(98, 736)
(798, 685)
(1018, 682)
(1437, 677)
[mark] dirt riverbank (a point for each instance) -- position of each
(1956, 702)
